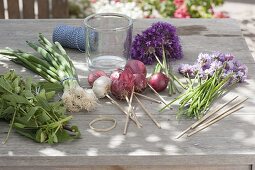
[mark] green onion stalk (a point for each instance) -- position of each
(164, 67)
(196, 100)
(55, 65)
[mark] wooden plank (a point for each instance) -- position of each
(28, 9)
(43, 9)
(216, 167)
(59, 9)
(229, 142)
(146, 146)
(2, 9)
(13, 9)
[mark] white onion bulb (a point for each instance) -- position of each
(102, 86)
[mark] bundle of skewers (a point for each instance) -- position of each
(213, 116)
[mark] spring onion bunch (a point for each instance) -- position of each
(55, 66)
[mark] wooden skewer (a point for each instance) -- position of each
(121, 108)
(133, 115)
(197, 123)
(146, 111)
(149, 98)
(215, 120)
(183, 132)
(127, 117)
(225, 111)
(211, 113)
(129, 110)
(158, 95)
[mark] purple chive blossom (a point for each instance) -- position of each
(207, 64)
(188, 70)
(204, 60)
(215, 65)
(148, 44)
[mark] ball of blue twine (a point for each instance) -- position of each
(73, 37)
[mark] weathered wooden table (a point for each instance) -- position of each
(229, 144)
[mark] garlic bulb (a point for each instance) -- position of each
(76, 99)
(102, 86)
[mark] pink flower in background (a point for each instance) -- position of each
(93, 1)
(182, 12)
(220, 15)
(178, 3)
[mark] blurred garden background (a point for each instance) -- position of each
(241, 10)
(148, 8)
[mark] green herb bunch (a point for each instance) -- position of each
(31, 111)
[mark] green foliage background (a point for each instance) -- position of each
(166, 8)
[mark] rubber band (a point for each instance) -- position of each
(103, 119)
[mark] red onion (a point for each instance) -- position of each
(136, 67)
(123, 86)
(93, 75)
(115, 74)
(140, 82)
(159, 81)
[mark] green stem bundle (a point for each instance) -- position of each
(55, 66)
(164, 66)
(195, 101)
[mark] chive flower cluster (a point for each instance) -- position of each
(208, 63)
(151, 42)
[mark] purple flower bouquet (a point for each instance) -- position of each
(213, 74)
(160, 43)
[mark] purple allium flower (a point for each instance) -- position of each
(148, 44)
(207, 64)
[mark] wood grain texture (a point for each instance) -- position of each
(226, 167)
(43, 9)
(28, 9)
(230, 142)
(59, 9)
(13, 9)
(2, 16)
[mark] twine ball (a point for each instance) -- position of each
(73, 37)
